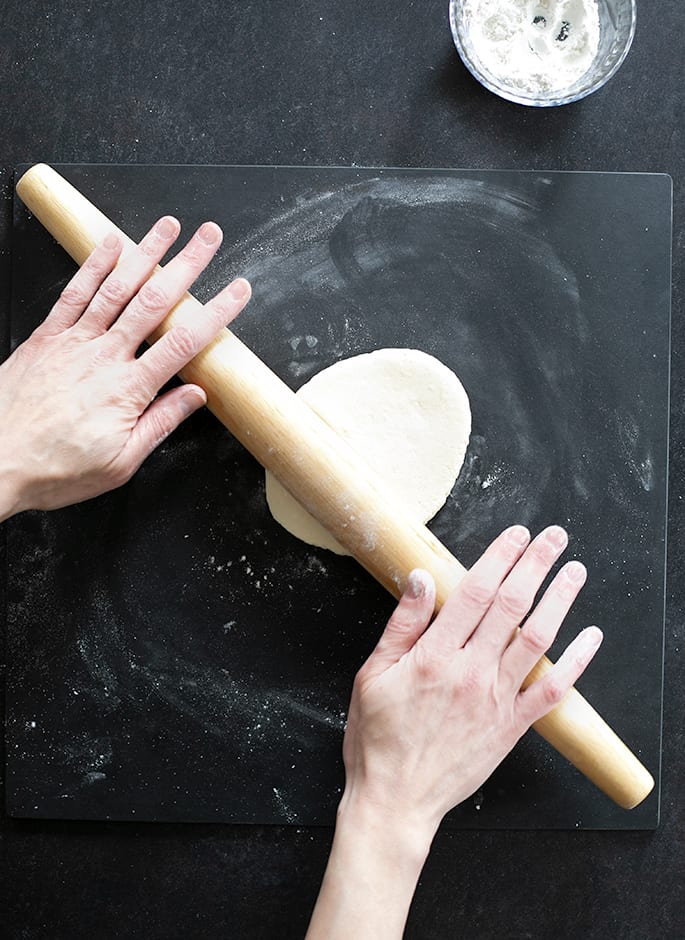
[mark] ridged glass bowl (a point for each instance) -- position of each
(616, 31)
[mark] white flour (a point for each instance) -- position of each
(534, 45)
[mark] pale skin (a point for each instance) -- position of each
(79, 413)
(435, 708)
(437, 705)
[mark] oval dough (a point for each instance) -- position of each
(406, 413)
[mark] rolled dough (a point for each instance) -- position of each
(406, 413)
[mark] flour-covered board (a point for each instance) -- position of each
(174, 654)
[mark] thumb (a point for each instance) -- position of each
(158, 421)
(409, 620)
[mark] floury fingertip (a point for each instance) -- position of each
(594, 636)
(416, 584)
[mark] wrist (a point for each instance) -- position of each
(396, 837)
(375, 863)
(11, 492)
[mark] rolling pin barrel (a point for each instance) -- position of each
(331, 482)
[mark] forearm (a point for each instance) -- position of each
(372, 872)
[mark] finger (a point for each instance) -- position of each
(176, 348)
(164, 289)
(128, 278)
(517, 592)
(473, 596)
(542, 696)
(80, 290)
(540, 630)
(408, 621)
(156, 423)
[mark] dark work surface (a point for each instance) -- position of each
(174, 654)
(350, 84)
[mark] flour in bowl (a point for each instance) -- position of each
(534, 46)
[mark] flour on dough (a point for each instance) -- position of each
(406, 414)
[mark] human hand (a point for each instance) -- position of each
(434, 710)
(77, 416)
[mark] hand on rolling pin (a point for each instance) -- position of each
(78, 413)
(434, 710)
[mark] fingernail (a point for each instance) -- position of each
(239, 289)
(166, 228)
(575, 571)
(416, 586)
(592, 638)
(111, 242)
(191, 403)
(208, 233)
(518, 535)
(557, 536)
(598, 636)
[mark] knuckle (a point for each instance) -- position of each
(534, 639)
(405, 621)
(478, 594)
(73, 296)
(182, 343)
(425, 663)
(430, 664)
(427, 669)
(149, 247)
(153, 298)
(97, 266)
(194, 253)
(399, 623)
(221, 312)
(103, 354)
(552, 691)
(566, 589)
(114, 291)
(544, 551)
(509, 551)
(98, 309)
(512, 603)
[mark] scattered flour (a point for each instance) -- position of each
(534, 46)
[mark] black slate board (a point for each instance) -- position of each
(174, 655)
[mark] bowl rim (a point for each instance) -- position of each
(531, 101)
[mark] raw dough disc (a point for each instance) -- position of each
(406, 413)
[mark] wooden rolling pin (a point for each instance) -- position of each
(331, 482)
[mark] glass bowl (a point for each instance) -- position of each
(616, 31)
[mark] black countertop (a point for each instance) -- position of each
(345, 84)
